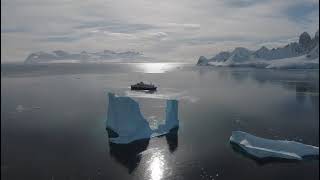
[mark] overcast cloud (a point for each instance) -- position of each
(170, 30)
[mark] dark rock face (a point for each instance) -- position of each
(222, 56)
(305, 41)
(261, 52)
(316, 36)
(202, 61)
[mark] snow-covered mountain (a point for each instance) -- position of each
(60, 56)
(305, 50)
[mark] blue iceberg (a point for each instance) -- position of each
(266, 149)
(126, 124)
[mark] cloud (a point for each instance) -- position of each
(114, 26)
(159, 35)
(120, 35)
(162, 29)
(186, 25)
(299, 12)
(243, 3)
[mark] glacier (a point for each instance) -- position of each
(263, 149)
(303, 54)
(60, 56)
(125, 122)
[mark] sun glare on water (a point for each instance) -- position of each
(157, 166)
(156, 67)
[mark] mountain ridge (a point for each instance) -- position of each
(60, 56)
(306, 46)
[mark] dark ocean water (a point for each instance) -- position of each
(53, 121)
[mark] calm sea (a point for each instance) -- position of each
(53, 121)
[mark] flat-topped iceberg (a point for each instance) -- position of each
(126, 124)
(264, 149)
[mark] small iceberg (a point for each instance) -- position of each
(20, 108)
(266, 149)
(125, 122)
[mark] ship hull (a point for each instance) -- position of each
(144, 88)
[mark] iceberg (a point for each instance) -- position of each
(266, 149)
(171, 118)
(126, 124)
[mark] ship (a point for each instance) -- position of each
(143, 86)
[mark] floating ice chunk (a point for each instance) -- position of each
(126, 120)
(126, 124)
(171, 117)
(261, 148)
(20, 108)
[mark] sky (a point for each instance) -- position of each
(166, 30)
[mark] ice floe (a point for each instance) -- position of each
(267, 149)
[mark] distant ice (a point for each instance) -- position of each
(60, 56)
(300, 62)
(125, 122)
(162, 94)
(263, 149)
(297, 55)
(20, 108)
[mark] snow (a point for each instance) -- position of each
(314, 53)
(222, 56)
(297, 55)
(127, 123)
(301, 62)
(239, 55)
(60, 56)
(262, 148)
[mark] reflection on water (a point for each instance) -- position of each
(156, 67)
(172, 139)
(69, 131)
(156, 166)
(129, 154)
(260, 161)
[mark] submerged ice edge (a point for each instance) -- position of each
(260, 148)
(183, 95)
(125, 122)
